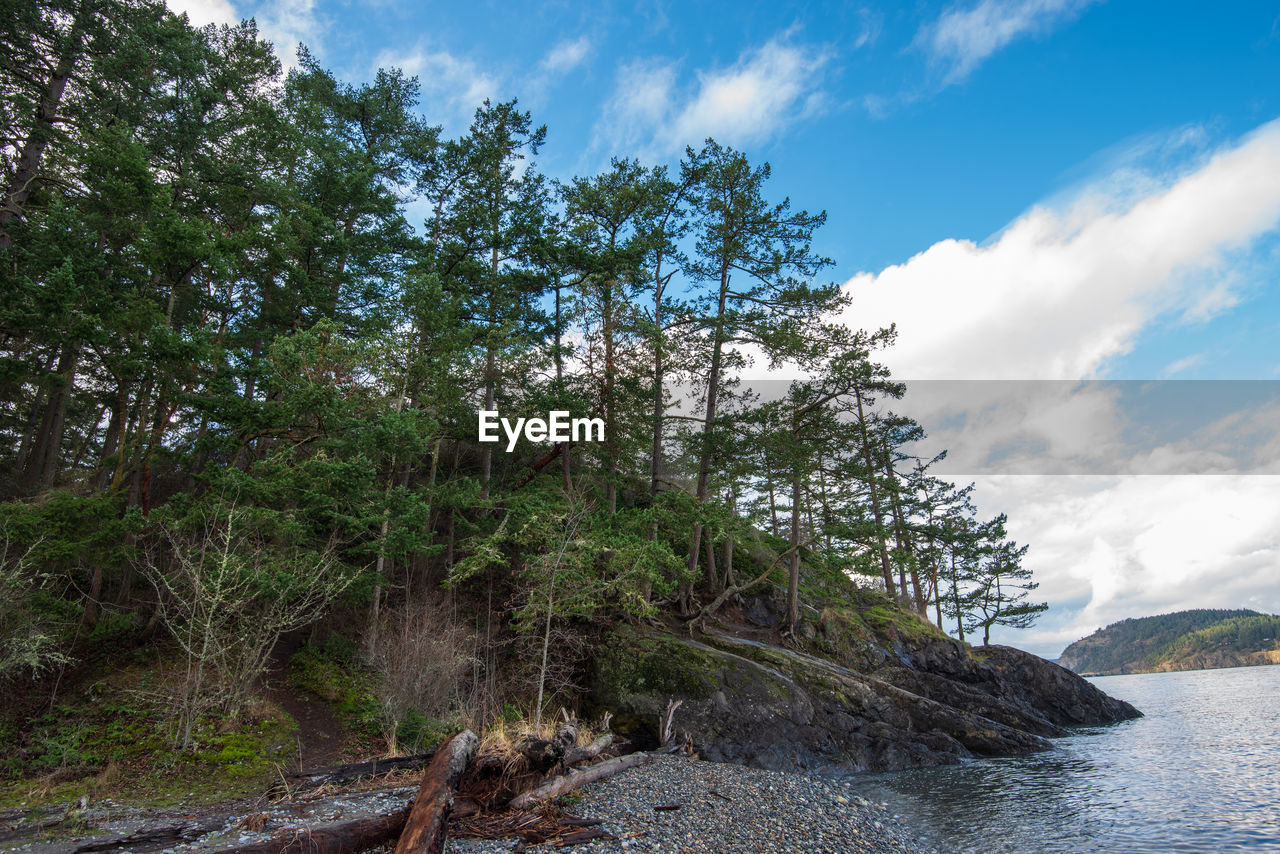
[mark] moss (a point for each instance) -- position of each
(328, 673)
(635, 662)
(114, 738)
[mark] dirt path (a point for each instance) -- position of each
(322, 738)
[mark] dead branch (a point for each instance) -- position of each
(578, 777)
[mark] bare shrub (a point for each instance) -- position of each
(421, 658)
(28, 642)
(227, 592)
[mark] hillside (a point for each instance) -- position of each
(1199, 639)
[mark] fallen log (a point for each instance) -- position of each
(342, 774)
(345, 838)
(575, 778)
(428, 822)
(154, 837)
(578, 755)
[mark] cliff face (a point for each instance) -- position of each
(850, 700)
(1187, 640)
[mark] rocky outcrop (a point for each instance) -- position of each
(871, 706)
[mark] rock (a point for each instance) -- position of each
(915, 702)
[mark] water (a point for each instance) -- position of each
(1201, 772)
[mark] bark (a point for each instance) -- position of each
(713, 391)
(42, 467)
(578, 755)
(574, 779)
(427, 825)
(793, 580)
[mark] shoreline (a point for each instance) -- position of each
(723, 808)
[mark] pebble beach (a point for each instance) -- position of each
(726, 809)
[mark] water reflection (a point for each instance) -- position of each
(1201, 772)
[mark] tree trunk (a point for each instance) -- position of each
(28, 166)
(793, 583)
(877, 512)
(360, 835)
(42, 466)
(704, 462)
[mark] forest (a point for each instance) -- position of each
(1184, 640)
(249, 319)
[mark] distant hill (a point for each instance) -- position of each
(1201, 639)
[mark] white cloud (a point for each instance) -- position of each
(751, 100)
(1061, 291)
(1059, 294)
(286, 23)
(452, 86)
(567, 55)
(962, 38)
(1177, 366)
(202, 12)
(1105, 549)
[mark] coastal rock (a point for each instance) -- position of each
(879, 707)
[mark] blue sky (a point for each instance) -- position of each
(1031, 189)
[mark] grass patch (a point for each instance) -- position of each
(114, 738)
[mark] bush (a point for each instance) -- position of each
(420, 659)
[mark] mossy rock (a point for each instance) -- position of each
(635, 662)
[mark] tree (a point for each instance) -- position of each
(755, 262)
(1002, 586)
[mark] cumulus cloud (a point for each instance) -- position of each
(567, 55)
(1060, 291)
(1059, 294)
(751, 100)
(964, 36)
(1105, 549)
(202, 12)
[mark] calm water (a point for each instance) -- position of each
(1201, 772)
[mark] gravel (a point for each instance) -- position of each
(723, 808)
(727, 808)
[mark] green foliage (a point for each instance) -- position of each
(232, 365)
(1145, 643)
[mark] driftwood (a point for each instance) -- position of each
(344, 838)
(580, 836)
(544, 754)
(577, 777)
(546, 824)
(578, 755)
(340, 775)
(153, 837)
(666, 727)
(427, 827)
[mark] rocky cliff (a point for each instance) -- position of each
(847, 694)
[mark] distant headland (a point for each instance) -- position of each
(1200, 639)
